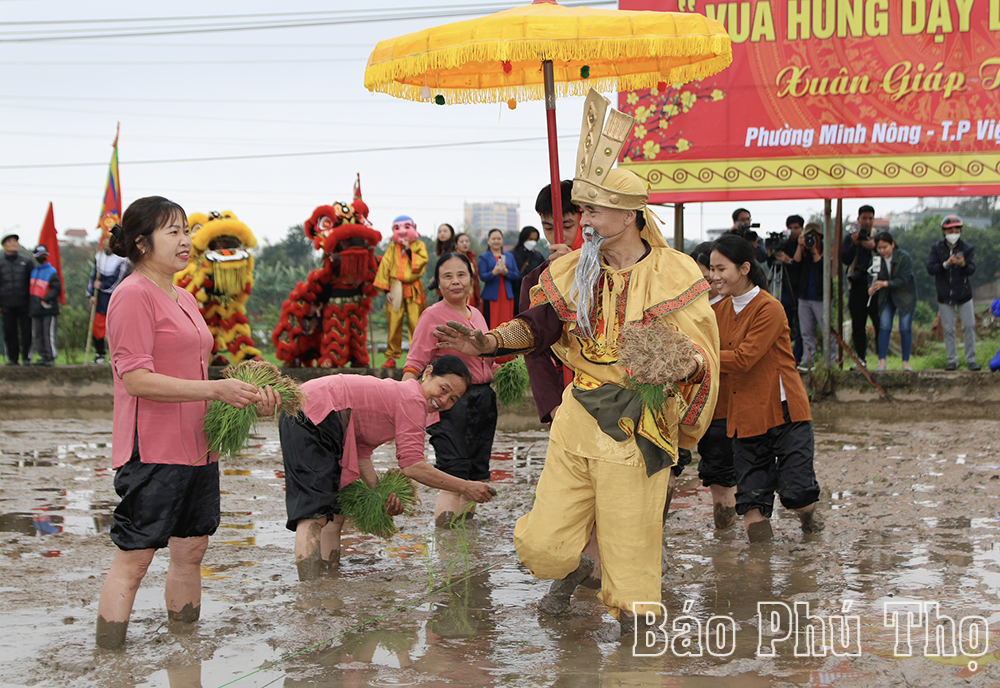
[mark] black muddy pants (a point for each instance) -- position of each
(780, 460)
(857, 304)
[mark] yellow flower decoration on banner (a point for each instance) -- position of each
(639, 131)
(664, 123)
(718, 95)
(632, 98)
(670, 110)
(682, 145)
(687, 100)
(642, 113)
(650, 150)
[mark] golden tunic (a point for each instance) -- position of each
(665, 285)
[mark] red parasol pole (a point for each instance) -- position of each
(550, 120)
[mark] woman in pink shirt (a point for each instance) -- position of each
(329, 446)
(167, 479)
(463, 438)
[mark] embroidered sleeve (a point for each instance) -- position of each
(513, 337)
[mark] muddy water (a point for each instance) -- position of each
(912, 517)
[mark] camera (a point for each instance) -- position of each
(773, 241)
(812, 240)
(864, 234)
(743, 230)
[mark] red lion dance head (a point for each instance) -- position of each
(325, 319)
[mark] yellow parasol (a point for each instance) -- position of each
(543, 50)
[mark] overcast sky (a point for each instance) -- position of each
(263, 92)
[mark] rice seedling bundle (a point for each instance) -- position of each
(366, 506)
(511, 382)
(655, 356)
(227, 427)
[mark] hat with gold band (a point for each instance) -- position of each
(597, 181)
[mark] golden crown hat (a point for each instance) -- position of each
(597, 181)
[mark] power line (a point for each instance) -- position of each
(80, 34)
(264, 156)
(322, 13)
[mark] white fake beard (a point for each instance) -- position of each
(588, 270)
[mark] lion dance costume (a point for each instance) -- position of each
(220, 276)
(324, 322)
(399, 276)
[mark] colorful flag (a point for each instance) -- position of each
(50, 238)
(111, 209)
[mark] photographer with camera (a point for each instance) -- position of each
(808, 261)
(952, 262)
(857, 256)
(780, 250)
(742, 226)
(894, 289)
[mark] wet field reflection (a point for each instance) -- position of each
(909, 517)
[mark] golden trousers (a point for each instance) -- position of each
(412, 310)
(573, 493)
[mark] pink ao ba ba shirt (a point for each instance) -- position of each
(150, 331)
(424, 349)
(381, 410)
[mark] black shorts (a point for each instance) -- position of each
(161, 501)
(463, 438)
(312, 456)
(780, 460)
(716, 450)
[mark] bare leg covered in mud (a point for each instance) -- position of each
(329, 542)
(450, 505)
(118, 596)
(723, 506)
(317, 546)
(183, 589)
(759, 526)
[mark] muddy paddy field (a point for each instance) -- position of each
(910, 499)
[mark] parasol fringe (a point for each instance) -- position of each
(681, 74)
(386, 77)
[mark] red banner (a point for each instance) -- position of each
(829, 98)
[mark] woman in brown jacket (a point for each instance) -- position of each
(768, 413)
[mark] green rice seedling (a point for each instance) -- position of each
(366, 506)
(227, 427)
(511, 382)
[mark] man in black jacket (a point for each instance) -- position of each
(15, 280)
(857, 257)
(952, 262)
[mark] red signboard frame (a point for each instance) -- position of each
(828, 98)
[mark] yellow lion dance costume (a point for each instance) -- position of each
(220, 275)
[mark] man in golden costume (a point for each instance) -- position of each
(609, 454)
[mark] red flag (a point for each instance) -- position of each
(50, 238)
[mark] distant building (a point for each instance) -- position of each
(909, 218)
(482, 217)
(74, 237)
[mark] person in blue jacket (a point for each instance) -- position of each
(43, 306)
(497, 269)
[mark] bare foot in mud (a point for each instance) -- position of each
(724, 516)
(811, 521)
(309, 567)
(759, 531)
(111, 634)
(333, 563)
(556, 601)
(188, 614)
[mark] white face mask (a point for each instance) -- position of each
(530, 245)
(950, 238)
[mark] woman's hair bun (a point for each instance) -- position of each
(116, 242)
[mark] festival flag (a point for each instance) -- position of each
(50, 238)
(111, 208)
